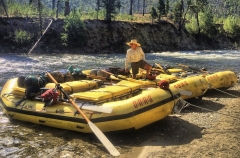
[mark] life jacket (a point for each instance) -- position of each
(77, 73)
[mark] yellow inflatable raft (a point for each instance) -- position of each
(131, 107)
(222, 79)
(189, 87)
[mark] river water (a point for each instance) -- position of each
(20, 139)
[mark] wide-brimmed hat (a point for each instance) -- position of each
(133, 41)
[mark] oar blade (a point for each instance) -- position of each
(97, 108)
(109, 146)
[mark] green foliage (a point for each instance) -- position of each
(125, 17)
(177, 12)
(75, 31)
(153, 13)
(22, 37)
(231, 26)
(109, 6)
(161, 8)
(24, 9)
(167, 6)
(207, 26)
(192, 26)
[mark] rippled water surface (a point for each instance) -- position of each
(13, 65)
(18, 139)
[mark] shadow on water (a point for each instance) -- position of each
(18, 58)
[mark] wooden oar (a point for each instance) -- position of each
(97, 77)
(109, 146)
(188, 67)
(160, 67)
(123, 78)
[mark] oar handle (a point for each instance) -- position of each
(159, 70)
(192, 68)
(114, 75)
(159, 66)
(183, 65)
(107, 72)
(50, 76)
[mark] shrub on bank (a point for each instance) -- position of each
(75, 31)
(22, 37)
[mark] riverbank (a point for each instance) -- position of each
(103, 37)
(197, 132)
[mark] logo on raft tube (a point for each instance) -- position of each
(142, 101)
(181, 84)
(212, 77)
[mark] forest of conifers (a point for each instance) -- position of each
(205, 17)
(219, 7)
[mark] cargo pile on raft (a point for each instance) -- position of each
(110, 99)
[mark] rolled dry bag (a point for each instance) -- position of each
(31, 84)
(20, 81)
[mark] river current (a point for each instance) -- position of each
(19, 139)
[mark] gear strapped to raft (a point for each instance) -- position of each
(50, 96)
(32, 85)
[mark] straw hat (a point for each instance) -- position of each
(133, 41)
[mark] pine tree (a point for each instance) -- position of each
(109, 6)
(153, 13)
(161, 8)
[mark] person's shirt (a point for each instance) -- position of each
(134, 56)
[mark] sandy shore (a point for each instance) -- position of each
(196, 132)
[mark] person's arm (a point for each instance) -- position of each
(143, 54)
(127, 61)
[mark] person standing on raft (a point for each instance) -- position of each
(136, 57)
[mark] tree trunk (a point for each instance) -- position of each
(98, 7)
(138, 6)
(198, 23)
(53, 4)
(58, 1)
(40, 15)
(143, 7)
(67, 8)
(130, 11)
